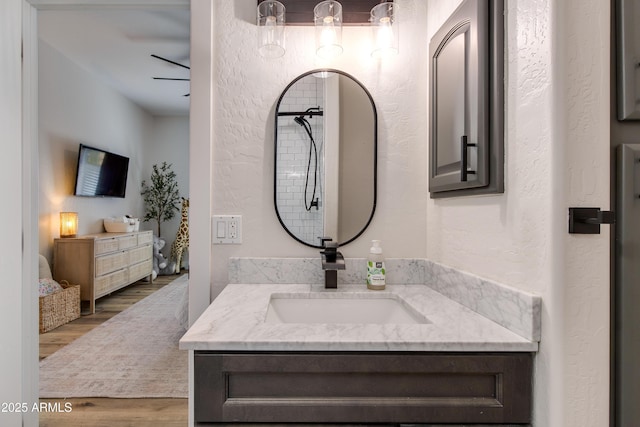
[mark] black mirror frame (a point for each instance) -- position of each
(375, 154)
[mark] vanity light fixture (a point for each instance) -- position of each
(384, 23)
(271, 20)
(328, 22)
(68, 224)
(328, 18)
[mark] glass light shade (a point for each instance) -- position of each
(328, 23)
(68, 224)
(271, 20)
(385, 29)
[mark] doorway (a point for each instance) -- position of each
(62, 138)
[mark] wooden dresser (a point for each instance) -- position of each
(102, 263)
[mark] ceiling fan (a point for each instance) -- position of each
(174, 63)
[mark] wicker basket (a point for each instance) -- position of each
(59, 307)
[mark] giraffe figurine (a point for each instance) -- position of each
(181, 243)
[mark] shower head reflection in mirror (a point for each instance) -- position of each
(313, 154)
(325, 157)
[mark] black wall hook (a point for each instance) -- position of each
(588, 220)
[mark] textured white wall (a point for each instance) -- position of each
(247, 88)
(582, 168)
(499, 236)
(556, 144)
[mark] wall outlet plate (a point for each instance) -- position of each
(226, 229)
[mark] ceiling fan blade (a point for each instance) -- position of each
(170, 61)
(170, 78)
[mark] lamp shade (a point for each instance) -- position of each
(271, 20)
(328, 23)
(68, 224)
(385, 29)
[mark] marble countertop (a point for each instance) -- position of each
(235, 321)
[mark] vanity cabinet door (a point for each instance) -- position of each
(466, 102)
(361, 388)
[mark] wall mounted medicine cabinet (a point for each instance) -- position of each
(466, 101)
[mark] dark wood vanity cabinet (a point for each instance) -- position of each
(381, 388)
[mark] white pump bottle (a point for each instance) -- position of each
(376, 271)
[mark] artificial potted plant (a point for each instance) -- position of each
(161, 195)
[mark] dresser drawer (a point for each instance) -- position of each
(126, 242)
(138, 271)
(145, 237)
(112, 262)
(140, 254)
(110, 282)
(104, 246)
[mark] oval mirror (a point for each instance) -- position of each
(325, 158)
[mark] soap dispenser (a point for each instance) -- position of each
(376, 272)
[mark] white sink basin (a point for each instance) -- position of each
(341, 308)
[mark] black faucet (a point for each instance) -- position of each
(332, 261)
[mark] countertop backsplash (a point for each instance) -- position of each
(400, 271)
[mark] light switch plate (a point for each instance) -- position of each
(226, 229)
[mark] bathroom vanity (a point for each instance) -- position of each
(259, 359)
(362, 387)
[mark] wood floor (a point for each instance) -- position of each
(99, 412)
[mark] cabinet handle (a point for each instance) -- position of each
(464, 145)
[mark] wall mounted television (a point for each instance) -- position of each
(100, 173)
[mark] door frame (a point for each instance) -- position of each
(30, 185)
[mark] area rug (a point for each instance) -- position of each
(132, 355)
